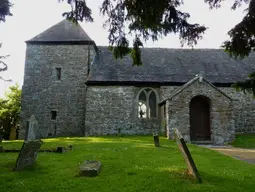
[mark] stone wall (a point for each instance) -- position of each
(101, 110)
(244, 110)
(113, 110)
(221, 117)
(243, 107)
(43, 93)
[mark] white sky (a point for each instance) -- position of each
(31, 17)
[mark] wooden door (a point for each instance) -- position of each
(200, 119)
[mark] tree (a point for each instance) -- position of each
(3, 65)
(10, 107)
(5, 6)
(150, 19)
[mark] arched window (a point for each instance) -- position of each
(147, 104)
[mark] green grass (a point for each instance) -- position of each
(130, 164)
(244, 141)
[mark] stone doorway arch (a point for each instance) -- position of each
(199, 109)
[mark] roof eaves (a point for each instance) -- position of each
(30, 42)
(183, 87)
(217, 89)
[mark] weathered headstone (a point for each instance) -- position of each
(31, 131)
(90, 168)
(156, 139)
(187, 156)
(61, 150)
(13, 133)
(28, 154)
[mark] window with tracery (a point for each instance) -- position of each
(147, 104)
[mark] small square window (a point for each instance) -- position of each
(53, 115)
(58, 73)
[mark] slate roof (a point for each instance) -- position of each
(162, 66)
(64, 31)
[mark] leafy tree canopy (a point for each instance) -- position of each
(151, 19)
(10, 107)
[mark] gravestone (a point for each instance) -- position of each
(28, 154)
(1, 138)
(156, 139)
(61, 150)
(187, 156)
(13, 133)
(31, 130)
(90, 168)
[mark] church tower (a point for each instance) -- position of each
(56, 67)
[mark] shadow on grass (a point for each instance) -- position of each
(243, 183)
(8, 166)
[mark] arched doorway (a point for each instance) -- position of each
(200, 119)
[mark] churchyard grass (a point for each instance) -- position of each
(244, 141)
(129, 164)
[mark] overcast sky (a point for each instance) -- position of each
(31, 17)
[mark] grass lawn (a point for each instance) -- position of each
(244, 141)
(130, 164)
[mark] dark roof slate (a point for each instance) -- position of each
(64, 31)
(162, 65)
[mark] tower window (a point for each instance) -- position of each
(53, 115)
(58, 73)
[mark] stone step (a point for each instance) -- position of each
(202, 142)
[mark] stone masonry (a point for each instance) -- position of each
(221, 113)
(243, 110)
(43, 93)
(114, 110)
(75, 88)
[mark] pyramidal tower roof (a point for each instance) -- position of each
(63, 32)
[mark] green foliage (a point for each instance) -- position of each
(247, 86)
(244, 141)
(9, 110)
(147, 19)
(79, 11)
(242, 39)
(3, 65)
(5, 6)
(129, 164)
(150, 19)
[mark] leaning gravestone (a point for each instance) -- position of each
(187, 156)
(30, 147)
(28, 154)
(31, 131)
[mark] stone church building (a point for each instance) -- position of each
(76, 88)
